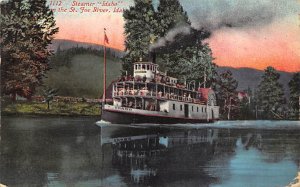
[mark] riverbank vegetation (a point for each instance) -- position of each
(56, 108)
(24, 45)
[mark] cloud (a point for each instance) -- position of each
(215, 14)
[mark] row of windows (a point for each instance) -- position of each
(202, 108)
(145, 67)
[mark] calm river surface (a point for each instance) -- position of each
(77, 152)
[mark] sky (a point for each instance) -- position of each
(254, 34)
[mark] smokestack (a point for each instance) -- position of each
(152, 57)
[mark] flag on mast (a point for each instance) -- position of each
(105, 37)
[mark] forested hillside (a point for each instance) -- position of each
(78, 72)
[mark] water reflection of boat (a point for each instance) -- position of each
(160, 136)
(149, 156)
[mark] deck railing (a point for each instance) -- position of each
(159, 95)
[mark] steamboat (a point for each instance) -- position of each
(151, 96)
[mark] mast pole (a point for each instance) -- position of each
(205, 77)
(104, 73)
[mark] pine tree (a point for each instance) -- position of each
(294, 86)
(170, 14)
(202, 67)
(27, 29)
(140, 24)
(270, 96)
(227, 95)
(192, 63)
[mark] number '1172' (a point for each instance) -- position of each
(55, 3)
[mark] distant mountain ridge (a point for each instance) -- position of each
(67, 44)
(249, 77)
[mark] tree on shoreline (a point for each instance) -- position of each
(294, 86)
(270, 95)
(225, 89)
(202, 68)
(170, 14)
(140, 24)
(49, 94)
(27, 29)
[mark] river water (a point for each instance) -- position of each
(77, 152)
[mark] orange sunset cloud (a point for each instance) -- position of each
(278, 45)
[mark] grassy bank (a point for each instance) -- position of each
(56, 108)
